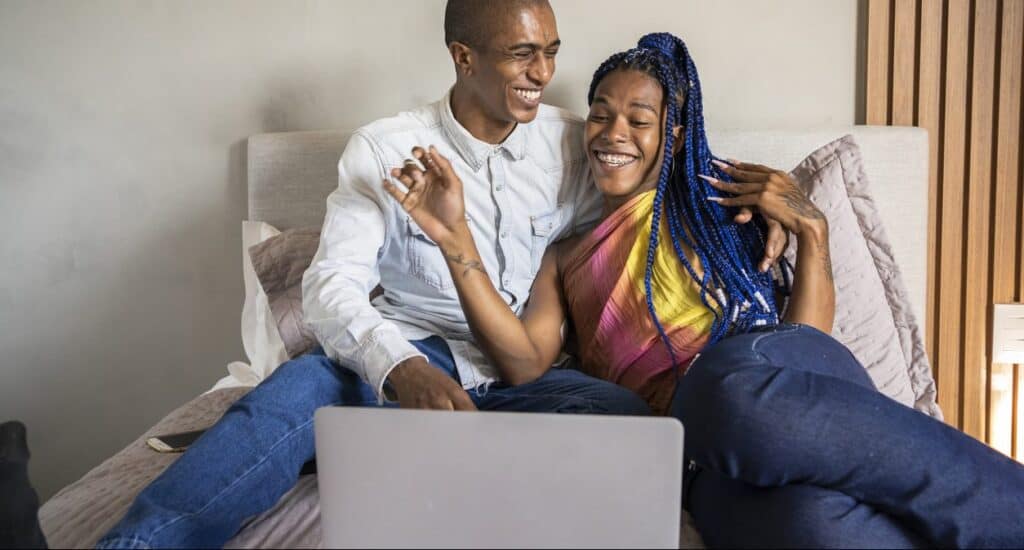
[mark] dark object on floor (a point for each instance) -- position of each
(19, 503)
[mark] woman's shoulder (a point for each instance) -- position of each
(565, 249)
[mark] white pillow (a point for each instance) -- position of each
(260, 336)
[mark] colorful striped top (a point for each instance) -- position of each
(603, 282)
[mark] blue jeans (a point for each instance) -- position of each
(252, 456)
(794, 447)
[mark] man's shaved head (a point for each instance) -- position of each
(474, 22)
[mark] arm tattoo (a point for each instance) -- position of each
(799, 203)
(470, 265)
(826, 257)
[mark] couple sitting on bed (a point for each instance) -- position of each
(670, 301)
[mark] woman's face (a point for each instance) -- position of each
(623, 133)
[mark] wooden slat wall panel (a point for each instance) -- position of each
(951, 211)
(955, 68)
(979, 217)
(1018, 412)
(879, 54)
(1006, 218)
(929, 105)
(903, 64)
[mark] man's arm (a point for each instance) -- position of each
(336, 287)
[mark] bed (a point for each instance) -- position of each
(289, 176)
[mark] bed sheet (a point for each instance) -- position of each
(78, 515)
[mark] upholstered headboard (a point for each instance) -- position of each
(290, 175)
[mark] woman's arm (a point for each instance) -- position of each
(522, 350)
(812, 300)
(777, 197)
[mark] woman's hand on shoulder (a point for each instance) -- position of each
(432, 196)
(773, 192)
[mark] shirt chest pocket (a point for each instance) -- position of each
(426, 261)
(544, 229)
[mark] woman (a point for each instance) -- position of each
(788, 442)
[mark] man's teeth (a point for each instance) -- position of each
(528, 95)
(615, 160)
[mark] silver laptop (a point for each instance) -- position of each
(409, 478)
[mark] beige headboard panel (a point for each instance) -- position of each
(290, 175)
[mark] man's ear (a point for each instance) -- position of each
(677, 144)
(462, 56)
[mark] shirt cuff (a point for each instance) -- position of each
(384, 351)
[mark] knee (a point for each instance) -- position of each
(720, 383)
(294, 382)
(714, 397)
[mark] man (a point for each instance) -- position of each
(526, 185)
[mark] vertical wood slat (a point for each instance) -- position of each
(951, 210)
(979, 215)
(903, 52)
(878, 62)
(1018, 392)
(1018, 412)
(929, 103)
(1006, 218)
(955, 68)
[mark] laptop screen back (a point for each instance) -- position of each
(408, 478)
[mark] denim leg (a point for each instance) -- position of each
(562, 391)
(243, 464)
(732, 514)
(784, 407)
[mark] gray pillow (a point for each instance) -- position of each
(279, 263)
(873, 312)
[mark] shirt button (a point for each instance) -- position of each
(504, 234)
(499, 188)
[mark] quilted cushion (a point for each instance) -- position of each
(873, 318)
(279, 263)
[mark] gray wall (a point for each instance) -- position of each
(122, 129)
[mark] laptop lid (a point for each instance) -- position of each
(415, 478)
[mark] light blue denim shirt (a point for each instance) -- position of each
(521, 196)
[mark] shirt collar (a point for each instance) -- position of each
(471, 149)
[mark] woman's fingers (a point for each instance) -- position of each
(751, 166)
(738, 188)
(742, 175)
(750, 199)
(745, 214)
(775, 244)
(406, 200)
(436, 160)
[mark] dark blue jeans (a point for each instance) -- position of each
(252, 456)
(794, 447)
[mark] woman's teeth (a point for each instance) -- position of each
(615, 160)
(528, 95)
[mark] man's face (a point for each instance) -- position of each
(511, 71)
